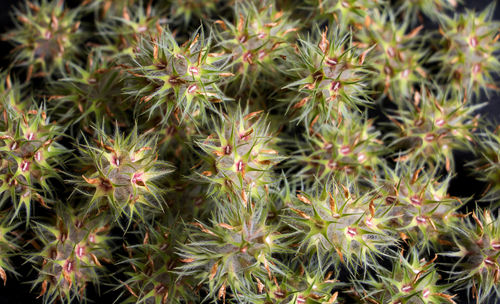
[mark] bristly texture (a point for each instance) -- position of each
(120, 33)
(72, 250)
(398, 56)
(432, 125)
(93, 93)
(250, 152)
(477, 243)
(123, 175)
(9, 245)
(412, 279)
(487, 166)
(152, 278)
(418, 204)
(183, 12)
(253, 41)
(415, 10)
(180, 80)
(240, 155)
(29, 153)
(340, 221)
(469, 56)
(329, 77)
(308, 282)
(47, 37)
(344, 151)
(235, 251)
(108, 8)
(345, 13)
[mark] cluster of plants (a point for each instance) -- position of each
(259, 151)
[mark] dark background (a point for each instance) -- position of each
(19, 293)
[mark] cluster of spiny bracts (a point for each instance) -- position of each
(259, 151)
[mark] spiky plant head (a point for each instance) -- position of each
(412, 279)
(72, 249)
(180, 80)
(309, 282)
(240, 155)
(253, 42)
(107, 8)
(9, 245)
(329, 76)
(418, 203)
(477, 242)
(235, 251)
(346, 13)
(487, 165)
(152, 278)
(123, 175)
(341, 221)
(183, 12)
(350, 149)
(90, 94)
(29, 153)
(415, 10)
(46, 37)
(397, 57)
(120, 35)
(469, 56)
(432, 125)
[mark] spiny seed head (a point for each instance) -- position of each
(411, 278)
(432, 126)
(328, 76)
(90, 94)
(124, 174)
(72, 250)
(238, 236)
(47, 37)
(152, 277)
(345, 13)
(171, 79)
(241, 154)
(419, 203)
(342, 220)
(254, 40)
(347, 149)
(29, 153)
(477, 253)
(469, 56)
(396, 59)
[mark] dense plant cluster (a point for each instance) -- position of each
(261, 151)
